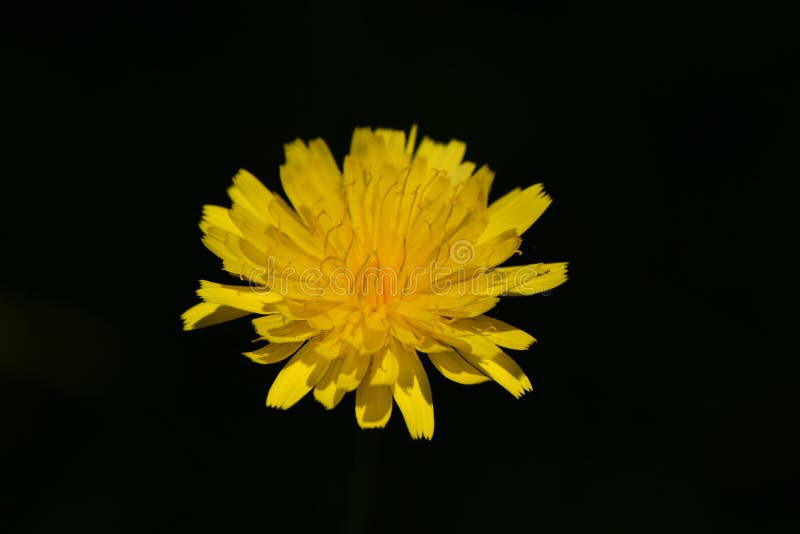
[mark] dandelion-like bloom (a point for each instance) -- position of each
(394, 256)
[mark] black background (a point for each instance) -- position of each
(664, 399)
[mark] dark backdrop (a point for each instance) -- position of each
(663, 398)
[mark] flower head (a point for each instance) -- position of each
(368, 267)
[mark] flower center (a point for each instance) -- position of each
(377, 286)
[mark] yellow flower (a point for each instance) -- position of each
(393, 256)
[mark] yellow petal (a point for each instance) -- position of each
(370, 334)
(245, 298)
(440, 156)
(240, 256)
(529, 279)
(412, 140)
(375, 332)
(354, 367)
(249, 227)
(487, 357)
(395, 143)
(273, 352)
(279, 329)
(385, 367)
(313, 183)
(495, 250)
(329, 312)
(460, 262)
(428, 345)
(217, 217)
(484, 355)
(412, 393)
(373, 405)
(234, 253)
(297, 377)
(249, 193)
(415, 309)
(517, 210)
(287, 221)
(326, 392)
(403, 332)
(431, 306)
(286, 253)
(331, 347)
(456, 368)
(497, 331)
(473, 190)
(381, 146)
(208, 313)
